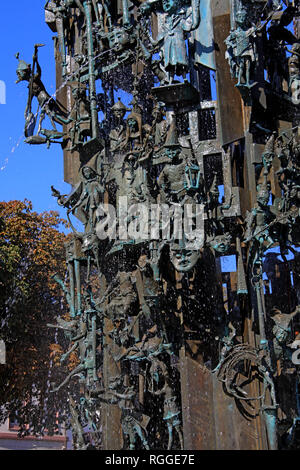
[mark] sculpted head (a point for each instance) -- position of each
(88, 173)
(221, 243)
(119, 110)
(183, 258)
(172, 152)
(169, 6)
(241, 17)
(23, 71)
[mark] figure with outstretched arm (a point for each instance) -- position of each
(47, 105)
(131, 419)
(157, 371)
(66, 292)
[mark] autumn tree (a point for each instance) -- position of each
(31, 252)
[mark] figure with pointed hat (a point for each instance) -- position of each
(118, 133)
(173, 180)
(134, 132)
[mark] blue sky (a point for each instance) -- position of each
(26, 171)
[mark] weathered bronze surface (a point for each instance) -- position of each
(173, 351)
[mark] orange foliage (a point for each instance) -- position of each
(31, 252)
